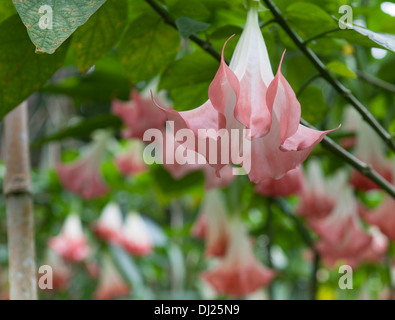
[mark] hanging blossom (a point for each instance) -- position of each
(239, 272)
(61, 272)
(212, 224)
(139, 114)
(320, 194)
(341, 234)
(370, 149)
(246, 95)
(170, 148)
(131, 161)
(71, 243)
(383, 216)
(136, 238)
(109, 225)
(291, 183)
(82, 176)
(111, 284)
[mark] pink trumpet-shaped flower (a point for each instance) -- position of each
(131, 162)
(109, 225)
(217, 226)
(199, 228)
(239, 272)
(194, 161)
(62, 272)
(342, 236)
(319, 194)
(136, 238)
(246, 95)
(377, 250)
(138, 114)
(370, 149)
(82, 176)
(383, 216)
(291, 183)
(111, 284)
(71, 243)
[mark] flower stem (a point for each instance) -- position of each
(337, 85)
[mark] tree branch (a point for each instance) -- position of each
(19, 204)
(337, 85)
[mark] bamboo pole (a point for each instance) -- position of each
(19, 205)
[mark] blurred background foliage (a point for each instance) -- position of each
(126, 44)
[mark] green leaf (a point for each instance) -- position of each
(95, 38)
(148, 47)
(195, 9)
(308, 18)
(188, 80)
(67, 16)
(313, 105)
(82, 129)
(21, 70)
(367, 37)
(187, 26)
(340, 69)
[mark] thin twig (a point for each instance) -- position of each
(337, 85)
(376, 81)
(306, 84)
(320, 35)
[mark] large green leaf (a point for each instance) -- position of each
(308, 18)
(188, 80)
(67, 16)
(21, 70)
(148, 47)
(96, 37)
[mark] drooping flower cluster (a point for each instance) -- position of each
(133, 234)
(238, 272)
(82, 176)
(111, 284)
(71, 243)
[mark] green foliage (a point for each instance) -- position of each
(148, 46)
(67, 16)
(340, 69)
(94, 39)
(21, 70)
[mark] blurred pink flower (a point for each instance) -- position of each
(246, 95)
(136, 238)
(109, 225)
(111, 284)
(239, 272)
(199, 228)
(61, 272)
(291, 183)
(377, 250)
(341, 233)
(82, 176)
(383, 216)
(138, 114)
(71, 243)
(131, 162)
(217, 225)
(370, 149)
(319, 194)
